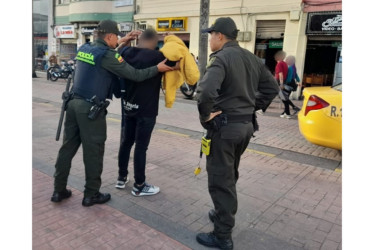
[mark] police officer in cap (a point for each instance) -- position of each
(236, 84)
(98, 66)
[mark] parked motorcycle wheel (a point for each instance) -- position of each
(53, 71)
(188, 90)
(53, 77)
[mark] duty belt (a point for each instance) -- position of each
(238, 118)
(76, 96)
(223, 119)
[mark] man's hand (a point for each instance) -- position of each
(162, 67)
(124, 41)
(214, 114)
(177, 66)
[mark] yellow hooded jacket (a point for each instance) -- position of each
(174, 49)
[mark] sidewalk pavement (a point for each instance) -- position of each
(274, 131)
(69, 225)
(283, 204)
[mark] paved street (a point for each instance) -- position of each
(289, 191)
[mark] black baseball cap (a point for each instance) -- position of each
(109, 26)
(224, 25)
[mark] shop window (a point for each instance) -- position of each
(265, 49)
(320, 62)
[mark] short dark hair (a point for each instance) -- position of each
(230, 38)
(102, 35)
(226, 36)
(148, 34)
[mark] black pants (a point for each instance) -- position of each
(136, 130)
(78, 129)
(227, 146)
(287, 103)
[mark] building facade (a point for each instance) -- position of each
(323, 55)
(40, 33)
(75, 21)
(266, 26)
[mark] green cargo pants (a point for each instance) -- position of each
(227, 146)
(92, 134)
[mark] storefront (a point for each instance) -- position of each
(269, 40)
(177, 25)
(323, 52)
(68, 42)
(87, 33)
(41, 52)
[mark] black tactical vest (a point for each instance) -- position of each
(90, 78)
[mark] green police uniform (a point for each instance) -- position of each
(237, 83)
(79, 129)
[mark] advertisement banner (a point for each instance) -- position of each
(66, 31)
(325, 23)
(172, 24)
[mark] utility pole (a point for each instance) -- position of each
(203, 41)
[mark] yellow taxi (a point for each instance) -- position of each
(320, 119)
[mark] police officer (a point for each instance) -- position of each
(98, 66)
(236, 84)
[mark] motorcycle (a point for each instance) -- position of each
(63, 72)
(188, 90)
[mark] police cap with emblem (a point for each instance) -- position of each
(224, 25)
(109, 26)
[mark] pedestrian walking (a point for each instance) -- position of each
(281, 70)
(52, 60)
(98, 66)
(236, 84)
(139, 106)
(293, 80)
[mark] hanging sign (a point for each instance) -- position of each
(324, 23)
(172, 24)
(66, 31)
(275, 44)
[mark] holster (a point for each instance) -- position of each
(97, 108)
(216, 123)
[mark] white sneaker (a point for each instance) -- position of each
(121, 182)
(260, 112)
(145, 189)
(285, 116)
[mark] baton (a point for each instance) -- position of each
(65, 98)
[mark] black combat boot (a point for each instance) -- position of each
(59, 196)
(99, 198)
(211, 240)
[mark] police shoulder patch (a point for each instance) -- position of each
(211, 60)
(119, 57)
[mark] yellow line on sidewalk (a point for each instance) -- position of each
(260, 152)
(173, 133)
(339, 170)
(113, 119)
(46, 104)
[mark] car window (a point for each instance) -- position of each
(337, 87)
